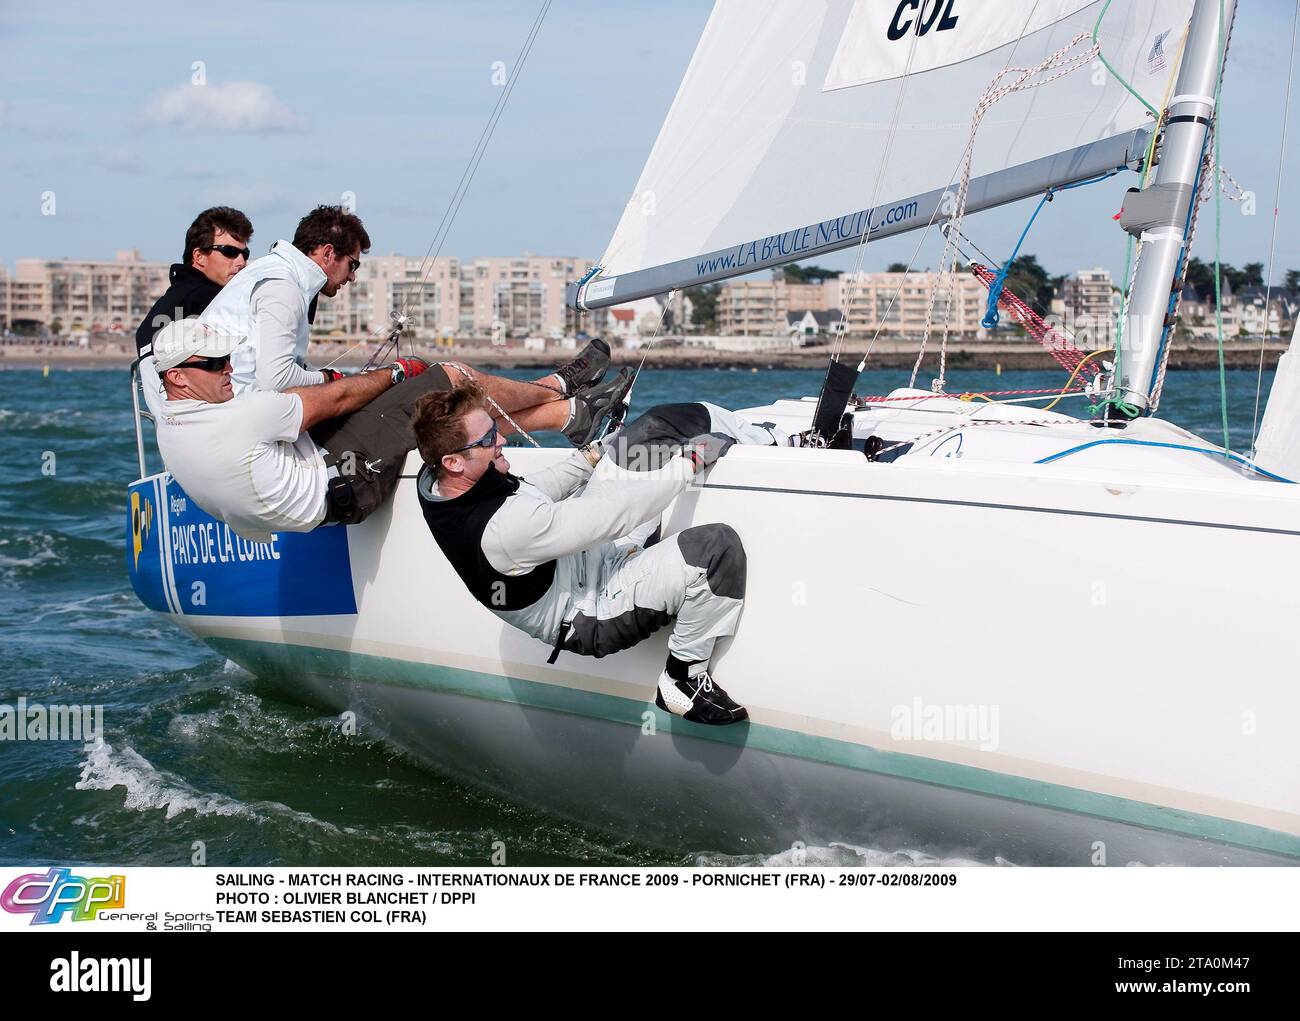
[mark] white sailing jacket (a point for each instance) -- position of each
(266, 305)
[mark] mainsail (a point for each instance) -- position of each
(802, 124)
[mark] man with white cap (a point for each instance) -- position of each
(250, 459)
(264, 461)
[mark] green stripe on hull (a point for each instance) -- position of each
(276, 658)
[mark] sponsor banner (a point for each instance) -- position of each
(182, 560)
(81, 901)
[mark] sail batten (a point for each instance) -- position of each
(795, 114)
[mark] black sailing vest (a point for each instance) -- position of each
(457, 525)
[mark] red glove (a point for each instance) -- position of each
(407, 368)
(331, 375)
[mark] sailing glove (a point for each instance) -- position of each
(407, 368)
(706, 448)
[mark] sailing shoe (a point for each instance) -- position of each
(586, 370)
(698, 700)
(589, 409)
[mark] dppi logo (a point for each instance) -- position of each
(141, 520)
(47, 898)
(917, 14)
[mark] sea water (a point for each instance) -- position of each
(197, 754)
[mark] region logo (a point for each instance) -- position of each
(141, 522)
(48, 897)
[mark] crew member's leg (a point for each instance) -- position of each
(367, 448)
(696, 576)
(646, 443)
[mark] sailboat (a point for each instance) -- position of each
(972, 628)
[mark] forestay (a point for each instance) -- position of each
(801, 123)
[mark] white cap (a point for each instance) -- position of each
(189, 338)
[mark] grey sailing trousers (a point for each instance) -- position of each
(694, 579)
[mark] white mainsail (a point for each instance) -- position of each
(797, 117)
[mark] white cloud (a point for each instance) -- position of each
(229, 106)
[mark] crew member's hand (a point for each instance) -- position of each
(706, 448)
(331, 375)
(407, 368)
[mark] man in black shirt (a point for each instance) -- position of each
(216, 248)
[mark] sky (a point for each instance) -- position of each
(307, 100)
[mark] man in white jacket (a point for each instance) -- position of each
(268, 306)
(568, 555)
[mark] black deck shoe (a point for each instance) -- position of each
(590, 408)
(587, 369)
(698, 700)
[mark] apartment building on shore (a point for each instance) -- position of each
(499, 297)
(1088, 303)
(81, 295)
(894, 304)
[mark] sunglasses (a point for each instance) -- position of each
(353, 264)
(230, 251)
(488, 439)
(217, 364)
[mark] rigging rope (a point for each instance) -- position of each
(880, 326)
(847, 295)
(1062, 62)
(400, 318)
(991, 318)
(1132, 252)
(1203, 179)
(1053, 340)
(476, 157)
(1218, 240)
(1272, 241)
(1118, 77)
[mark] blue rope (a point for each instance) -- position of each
(991, 315)
(1171, 446)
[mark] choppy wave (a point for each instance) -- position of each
(842, 856)
(29, 557)
(241, 721)
(148, 789)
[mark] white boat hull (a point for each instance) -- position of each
(1056, 663)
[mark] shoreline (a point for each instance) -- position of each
(1007, 357)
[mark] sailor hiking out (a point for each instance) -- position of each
(267, 445)
(571, 554)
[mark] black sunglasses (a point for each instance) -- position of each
(488, 439)
(217, 364)
(230, 251)
(353, 264)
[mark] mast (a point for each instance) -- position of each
(1163, 211)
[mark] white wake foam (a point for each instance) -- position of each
(148, 789)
